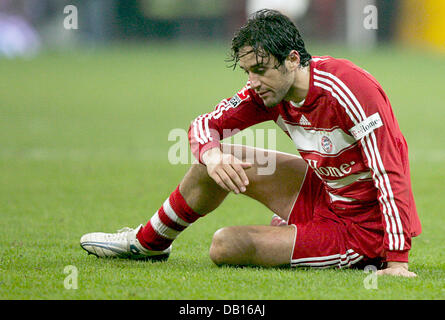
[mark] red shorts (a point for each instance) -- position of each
(320, 241)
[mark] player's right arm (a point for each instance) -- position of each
(229, 117)
(226, 170)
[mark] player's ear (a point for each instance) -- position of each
(293, 60)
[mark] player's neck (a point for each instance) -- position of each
(300, 88)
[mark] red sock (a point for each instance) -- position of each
(167, 223)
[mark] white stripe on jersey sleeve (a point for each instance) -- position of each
(206, 125)
(201, 129)
(195, 132)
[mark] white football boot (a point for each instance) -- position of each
(122, 244)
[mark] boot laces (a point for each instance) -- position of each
(121, 235)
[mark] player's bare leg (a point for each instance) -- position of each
(267, 246)
(250, 245)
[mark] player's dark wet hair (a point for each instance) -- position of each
(269, 32)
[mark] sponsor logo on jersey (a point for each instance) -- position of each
(366, 126)
(326, 144)
(239, 97)
(304, 121)
(341, 171)
(235, 101)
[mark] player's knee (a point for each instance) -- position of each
(229, 247)
(219, 248)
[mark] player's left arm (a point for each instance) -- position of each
(385, 153)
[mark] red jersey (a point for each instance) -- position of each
(347, 133)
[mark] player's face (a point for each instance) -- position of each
(270, 82)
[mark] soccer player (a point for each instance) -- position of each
(345, 201)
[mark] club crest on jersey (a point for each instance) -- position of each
(326, 144)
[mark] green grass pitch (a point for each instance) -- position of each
(83, 148)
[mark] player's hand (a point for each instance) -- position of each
(397, 269)
(226, 170)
